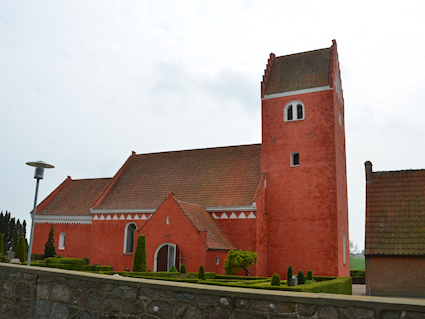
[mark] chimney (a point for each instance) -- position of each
(368, 170)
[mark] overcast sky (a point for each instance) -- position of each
(84, 83)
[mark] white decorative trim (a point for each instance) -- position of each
(215, 216)
(115, 217)
(251, 215)
(136, 217)
(231, 209)
(143, 217)
(233, 216)
(94, 218)
(121, 211)
(122, 217)
(56, 219)
(312, 90)
(242, 216)
(149, 217)
(102, 217)
(129, 217)
(108, 217)
(224, 216)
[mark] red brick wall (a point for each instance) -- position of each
(77, 239)
(107, 242)
(303, 215)
(395, 276)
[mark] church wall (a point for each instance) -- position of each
(77, 239)
(301, 202)
(107, 243)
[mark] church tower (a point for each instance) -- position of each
(305, 219)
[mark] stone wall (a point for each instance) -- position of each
(35, 292)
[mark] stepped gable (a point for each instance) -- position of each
(211, 177)
(299, 71)
(203, 221)
(395, 212)
(74, 198)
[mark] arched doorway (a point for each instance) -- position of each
(167, 255)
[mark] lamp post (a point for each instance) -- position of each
(39, 173)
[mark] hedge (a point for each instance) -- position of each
(340, 285)
(96, 268)
(358, 276)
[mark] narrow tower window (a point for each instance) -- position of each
(290, 113)
(300, 112)
(293, 111)
(295, 159)
(168, 220)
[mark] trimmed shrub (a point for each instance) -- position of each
(275, 280)
(301, 278)
(49, 248)
(86, 260)
(139, 263)
(309, 275)
(37, 256)
(183, 269)
(172, 269)
(201, 273)
(4, 259)
(20, 249)
(1, 245)
(289, 275)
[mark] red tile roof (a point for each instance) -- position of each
(203, 221)
(211, 177)
(395, 212)
(73, 197)
(299, 71)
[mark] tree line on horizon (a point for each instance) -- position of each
(11, 229)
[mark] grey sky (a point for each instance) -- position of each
(84, 83)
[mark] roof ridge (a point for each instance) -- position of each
(402, 170)
(198, 149)
(299, 53)
(90, 179)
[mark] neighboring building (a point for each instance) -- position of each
(395, 233)
(285, 199)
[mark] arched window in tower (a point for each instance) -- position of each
(289, 111)
(293, 111)
(128, 238)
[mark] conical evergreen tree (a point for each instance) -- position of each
(49, 248)
(20, 249)
(139, 263)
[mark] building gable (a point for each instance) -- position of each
(395, 212)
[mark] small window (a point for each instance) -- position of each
(295, 159)
(61, 241)
(217, 260)
(339, 118)
(168, 220)
(293, 111)
(129, 238)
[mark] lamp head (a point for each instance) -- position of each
(39, 168)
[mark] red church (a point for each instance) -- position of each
(285, 198)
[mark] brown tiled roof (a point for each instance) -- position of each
(299, 71)
(395, 213)
(203, 221)
(73, 197)
(211, 177)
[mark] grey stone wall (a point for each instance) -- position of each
(33, 292)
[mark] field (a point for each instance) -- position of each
(357, 263)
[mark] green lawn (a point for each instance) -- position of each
(357, 263)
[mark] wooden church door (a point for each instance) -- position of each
(168, 255)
